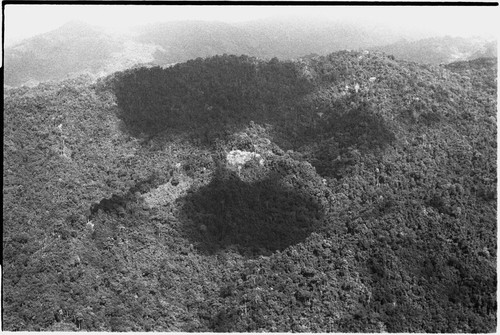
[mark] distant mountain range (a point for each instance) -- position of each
(76, 48)
(441, 50)
(72, 49)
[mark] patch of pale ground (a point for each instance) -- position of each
(168, 192)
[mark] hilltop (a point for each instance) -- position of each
(367, 203)
(73, 49)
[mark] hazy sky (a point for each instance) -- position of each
(22, 21)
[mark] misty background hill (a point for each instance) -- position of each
(441, 50)
(77, 47)
(73, 49)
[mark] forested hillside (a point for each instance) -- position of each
(74, 49)
(367, 202)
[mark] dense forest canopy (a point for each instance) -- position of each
(371, 206)
(207, 92)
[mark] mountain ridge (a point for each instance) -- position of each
(441, 50)
(82, 48)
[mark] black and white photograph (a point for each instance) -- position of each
(250, 167)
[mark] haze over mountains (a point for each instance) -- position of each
(441, 50)
(77, 47)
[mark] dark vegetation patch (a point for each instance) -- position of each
(341, 135)
(207, 96)
(117, 204)
(215, 97)
(258, 217)
(482, 72)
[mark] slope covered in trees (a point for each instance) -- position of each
(222, 91)
(373, 208)
(73, 49)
